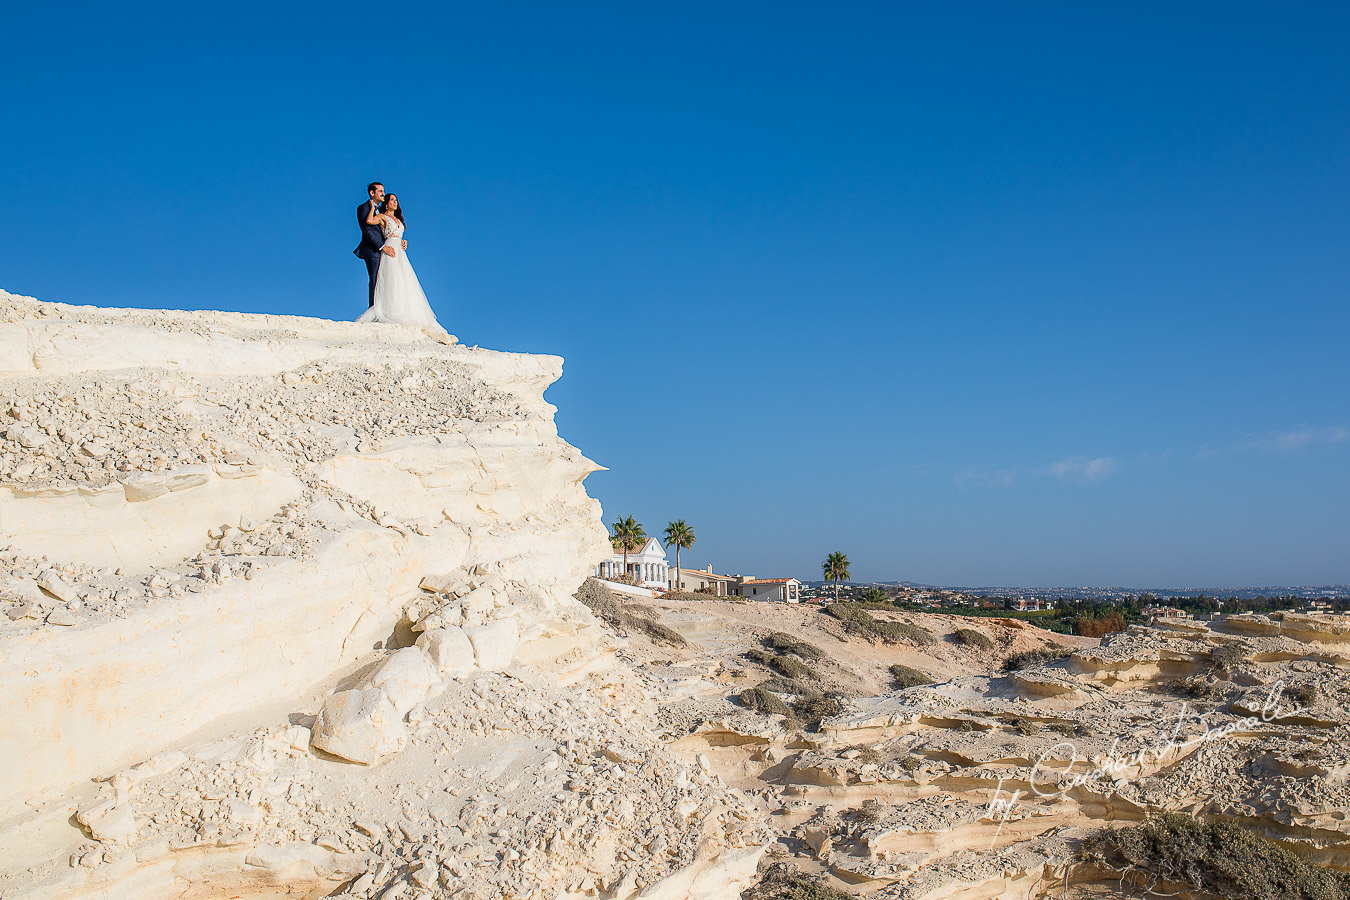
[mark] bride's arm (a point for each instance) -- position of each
(387, 248)
(372, 217)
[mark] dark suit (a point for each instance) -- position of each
(372, 239)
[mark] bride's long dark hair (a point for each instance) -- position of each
(398, 210)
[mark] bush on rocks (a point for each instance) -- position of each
(761, 701)
(1301, 694)
(1226, 657)
(1027, 658)
(807, 707)
(906, 677)
(782, 881)
(1218, 858)
(786, 666)
(1199, 687)
(857, 621)
(972, 638)
(626, 619)
(786, 643)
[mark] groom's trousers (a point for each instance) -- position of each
(373, 269)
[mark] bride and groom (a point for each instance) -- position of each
(395, 293)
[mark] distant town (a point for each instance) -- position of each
(640, 565)
(920, 593)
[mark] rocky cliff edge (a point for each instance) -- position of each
(287, 610)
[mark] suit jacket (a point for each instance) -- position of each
(372, 238)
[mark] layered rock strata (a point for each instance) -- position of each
(287, 610)
(982, 785)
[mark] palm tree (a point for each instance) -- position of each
(679, 534)
(628, 536)
(835, 567)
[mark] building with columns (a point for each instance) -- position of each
(648, 563)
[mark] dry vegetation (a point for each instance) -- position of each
(786, 643)
(906, 677)
(781, 881)
(1028, 658)
(856, 620)
(626, 618)
(972, 638)
(1219, 858)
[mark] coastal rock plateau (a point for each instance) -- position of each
(286, 609)
(985, 781)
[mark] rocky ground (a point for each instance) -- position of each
(287, 612)
(984, 783)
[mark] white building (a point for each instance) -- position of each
(648, 563)
(705, 581)
(784, 590)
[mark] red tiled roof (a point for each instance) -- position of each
(768, 581)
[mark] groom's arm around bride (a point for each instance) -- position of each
(372, 238)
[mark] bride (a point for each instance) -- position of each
(399, 298)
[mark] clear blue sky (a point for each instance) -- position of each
(979, 293)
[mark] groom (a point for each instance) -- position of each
(372, 238)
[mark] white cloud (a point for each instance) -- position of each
(1082, 470)
(1073, 469)
(1279, 442)
(1285, 441)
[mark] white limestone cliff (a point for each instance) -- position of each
(287, 608)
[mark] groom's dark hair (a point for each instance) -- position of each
(373, 185)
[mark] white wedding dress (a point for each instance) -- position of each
(399, 298)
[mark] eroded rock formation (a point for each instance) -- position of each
(287, 611)
(982, 784)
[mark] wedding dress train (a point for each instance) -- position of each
(399, 298)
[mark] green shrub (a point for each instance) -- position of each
(1027, 658)
(973, 638)
(1215, 857)
(786, 643)
(906, 677)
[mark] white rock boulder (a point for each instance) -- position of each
(361, 726)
